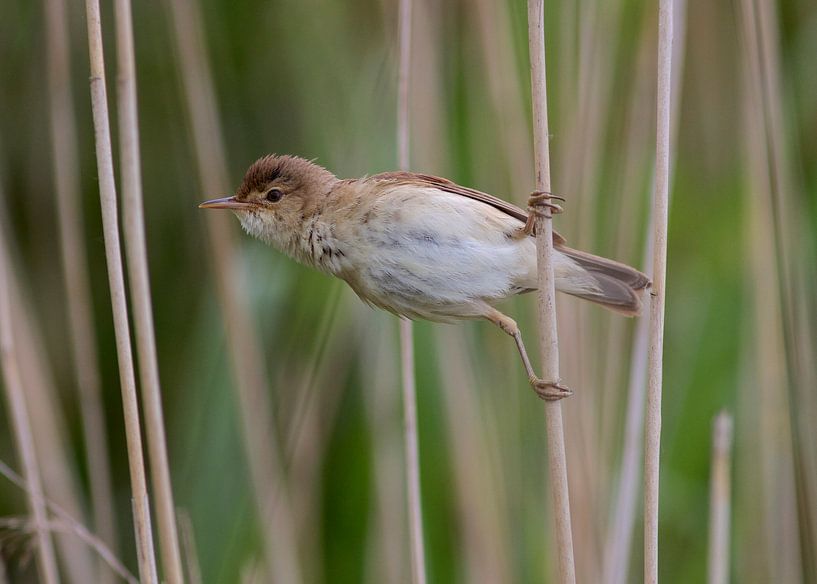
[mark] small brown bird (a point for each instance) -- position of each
(419, 246)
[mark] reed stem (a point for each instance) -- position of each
(652, 445)
(116, 281)
(413, 492)
(139, 280)
(548, 336)
(720, 499)
(82, 344)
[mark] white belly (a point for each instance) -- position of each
(430, 254)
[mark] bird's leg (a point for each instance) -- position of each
(540, 202)
(549, 391)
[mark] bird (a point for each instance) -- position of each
(420, 246)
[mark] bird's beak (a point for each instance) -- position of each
(224, 203)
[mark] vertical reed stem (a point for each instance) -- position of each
(620, 532)
(116, 281)
(21, 426)
(139, 280)
(548, 337)
(75, 274)
(720, 499)
(652, 446)
(415, 506)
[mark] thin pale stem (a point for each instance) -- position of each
(188, 541)
(139, 280)
(387, 545)
(652, 445)
(415, 508)
(620, 533)
(779, 531)
(75, 273)
(23, 436)
(116, 281)
(720, 499)
(548, 337)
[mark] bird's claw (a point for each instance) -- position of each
(540, 199)
(550, 391)
(540, 203)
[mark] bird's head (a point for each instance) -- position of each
(278, 194)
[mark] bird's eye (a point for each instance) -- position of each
(274, 195)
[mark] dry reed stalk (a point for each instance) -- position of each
(76, 528)
(548, 339)
(412, 453)
(652, 445)
(266, 471)
(387, 561)
(790, 227)
(415, 510)
(505, 90)
(116, 281)
(720, 499)
(21, 427)
(620, 531)
(426, 94)
(780, 522)
(580, 171)
(136, 249)
(75, 274)
(188, 542)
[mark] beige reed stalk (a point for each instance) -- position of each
(791, 237)
(720, 499)
(24, 439)
(625, 503)
(75, 273)
(188, 543)
(655, 350)
(387, 549)
(415, 506)
(779, 531)
(548, 338)
(139, 280)
(116, 281)
(266, 471)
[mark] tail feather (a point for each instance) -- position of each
(617, 286)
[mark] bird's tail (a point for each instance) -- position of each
(615, 286)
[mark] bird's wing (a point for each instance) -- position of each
(443, 184)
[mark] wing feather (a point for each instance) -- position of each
(443, 184)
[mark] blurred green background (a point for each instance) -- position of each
(317, 78)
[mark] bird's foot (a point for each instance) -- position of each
(549, 391)
(540, 203)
